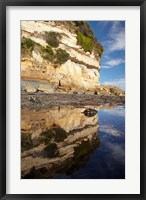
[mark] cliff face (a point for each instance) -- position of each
(58, 58)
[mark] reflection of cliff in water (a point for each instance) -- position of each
(59, 140)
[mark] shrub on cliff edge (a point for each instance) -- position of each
(85, 33)
(61, 56)
(85, 29)
(47, 53)
(27, 46)
(52, 38)
(99, 49)
(85, 42)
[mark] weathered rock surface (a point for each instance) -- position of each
(80, 73)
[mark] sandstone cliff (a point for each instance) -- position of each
(59, 57)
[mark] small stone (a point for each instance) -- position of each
(45, 88)
(90, 112)
(30, 88)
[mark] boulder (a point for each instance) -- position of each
(90, 112)
(30, 88)
(45, 88)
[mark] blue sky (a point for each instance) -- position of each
(111, 34)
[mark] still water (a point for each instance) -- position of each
(68, 143)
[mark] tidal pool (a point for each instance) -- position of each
(67, 143)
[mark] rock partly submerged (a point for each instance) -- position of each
(90, 112)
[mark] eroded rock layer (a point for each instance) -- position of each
(67, 65)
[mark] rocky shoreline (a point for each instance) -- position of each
(41, 101)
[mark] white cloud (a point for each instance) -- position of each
(115, 62)
(106, 56)
(106, 67)
(118, 42)
(117, 37)
(110, 63)
(117, 82)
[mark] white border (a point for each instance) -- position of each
(130, 185)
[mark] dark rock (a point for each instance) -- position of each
(90, 112)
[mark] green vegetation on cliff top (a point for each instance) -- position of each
(85, 42)
(85, 37)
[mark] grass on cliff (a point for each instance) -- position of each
(47, 53)
(85, 29)
(58, 56)
(88, 45)
(85, 42)
(61, 56)
(99, 49)
(27, 46)
(86, 38)
(52, 38)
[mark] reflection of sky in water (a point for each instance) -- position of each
(108, 161)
